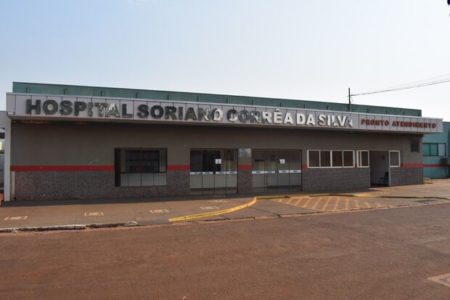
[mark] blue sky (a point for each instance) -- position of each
(300, 49)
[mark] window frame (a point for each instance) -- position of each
(429, 146)
(331, 159)
(118, 165)
(445, 149)
(358, 159)
(343, 159)
(399, 159)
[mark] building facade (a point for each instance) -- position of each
(436, 154)
(76, 142)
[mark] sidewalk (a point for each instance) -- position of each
(84, 214)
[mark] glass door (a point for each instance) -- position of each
(214, 170)
(276, 169)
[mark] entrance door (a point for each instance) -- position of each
(213, 170)
(276, 169)
(379, 168)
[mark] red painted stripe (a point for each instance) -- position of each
(412, 166)
(435, 166)
(178, 168)
(245, 167)
(61, 168)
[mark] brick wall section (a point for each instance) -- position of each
(244, 182)
(405, 176)
(321, 180)
(91, 185)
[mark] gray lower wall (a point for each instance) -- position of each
(100, 185)
(319, 180)
(405, 176)
(91, 185)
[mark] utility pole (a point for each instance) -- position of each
(350, 99)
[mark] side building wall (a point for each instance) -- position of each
(438, 166)
(76, 160)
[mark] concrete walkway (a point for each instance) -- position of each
(81, 215)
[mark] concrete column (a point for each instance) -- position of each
(5, 123)
(244, 181)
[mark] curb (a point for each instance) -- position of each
(67, 227)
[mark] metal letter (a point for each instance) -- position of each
(65, 108)
(322, 120)
(101, 107)
(142, 111)
(89, 109)
(266, 117)
(190, 114)
(112, 111)
(301, 119)
(217, 114)
(170, 113)
(310, 120)
(79, 106)
(255, 117)
(232, 115)
(125, 113)
(30, 107)
(203, 113)
(244, 116)
(157, 111)
(288, 119)
(277, 117)
(50, 107)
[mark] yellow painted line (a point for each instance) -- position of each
(306, 203)
(296, 203)
(15, 218)
(213, 213)
(301, 204)
(336, 205)
(347, 202)
(316, 203)
(324, 208)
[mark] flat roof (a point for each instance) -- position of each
(95, 91)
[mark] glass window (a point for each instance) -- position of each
(415, 145)
(363, 159)
(140, 167)
(143, 161)
(314, 159)
(442, 150)
(348, 159)
(196, 161)
(337, 158)
(394, 158)
(434, 150)
(215, 160)
(325, 159)
(426, 150)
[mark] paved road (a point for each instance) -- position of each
(377, 254)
